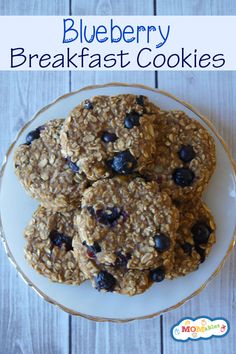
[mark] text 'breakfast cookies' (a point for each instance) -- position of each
(120, 184)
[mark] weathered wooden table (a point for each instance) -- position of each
(27, 323)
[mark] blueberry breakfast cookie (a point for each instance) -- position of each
(110, 135)
(107, 278)
(195, 238)
(49, 248)
(185, 156)
(45, 173)
(129, 223)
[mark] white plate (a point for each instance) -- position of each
(17, 208)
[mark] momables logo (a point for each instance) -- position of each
(200, 328)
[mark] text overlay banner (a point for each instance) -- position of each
(117, 43)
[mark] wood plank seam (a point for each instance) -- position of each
(70, 7)
(70, 334)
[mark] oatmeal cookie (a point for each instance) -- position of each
(185, 158)
(49, 248)
(117, 279)
(110, 135)
(45, 173)
(128, 223)
(195, 238)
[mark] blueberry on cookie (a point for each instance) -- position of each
(185, 156)
(108, 134)
(49, 249)
(45, 173)
(132, 222)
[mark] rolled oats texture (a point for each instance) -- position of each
(174, 129)
(123, 218)
(45, 173)
(81, 136)
(191, 214)
(53, 261)
(127, 281)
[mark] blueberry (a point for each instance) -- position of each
(33, 135)
(201, 233)
(58, 239)
(105, 280)
(123, 163)
(109, 216)
(186, 153)
(201, 253)
(162, 242)
(108, 137)
(122, 260)
(140, 100)
(72, 165)
(95, 248)
(124, 215)
(88, 104)
(187, 248)
(92, 249)
(41, 128)
(157, 274)
(183, 177)
(91, 210)
(132, 119)
(91, 254)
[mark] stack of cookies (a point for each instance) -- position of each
(119, 183)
